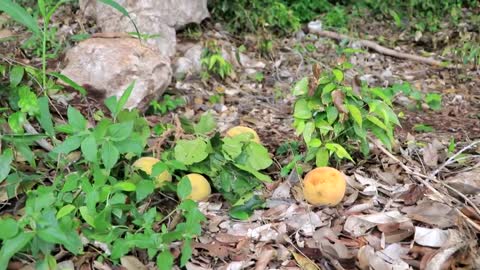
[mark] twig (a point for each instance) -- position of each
(41, 142)
(450, 160)
(420, 177)
(376, 47)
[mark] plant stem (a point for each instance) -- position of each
(44, 56)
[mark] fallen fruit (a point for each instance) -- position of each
(146, 164)
(240, 130)
(200, 187)
(324, 186)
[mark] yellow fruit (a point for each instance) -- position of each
(200, 187)
(146, 164)
(240, 130)
(324, 186)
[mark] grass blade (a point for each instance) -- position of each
(19, 14)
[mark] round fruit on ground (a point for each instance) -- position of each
(241, 130)
(200, 187)
(146, 164)
(324, 186)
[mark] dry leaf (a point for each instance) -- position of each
(266, 255)
(432, 213)
(430, 237)
(304, 263)
(132, 263)
(338, 98)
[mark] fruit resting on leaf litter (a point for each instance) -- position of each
(200, 187)
(146, 164)
(240, 130)
(324, 186)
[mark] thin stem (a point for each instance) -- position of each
(44, 56)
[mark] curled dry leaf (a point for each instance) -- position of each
(431, 237)
(338, 100)
(432, 213)
(266, 255)
(303, 262)
(468, 183)
(132, 263)
(358, 225)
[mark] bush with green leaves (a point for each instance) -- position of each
(335, 118)
(213, 62)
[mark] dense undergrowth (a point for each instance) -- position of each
(79, 186)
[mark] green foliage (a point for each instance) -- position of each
(334, 120)
(169, 103)
(213, 63)
(255, 16)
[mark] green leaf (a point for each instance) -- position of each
(338, 75)
(20, 15)
(377, 122)
(110, 155)
(190, 152)
(45, 117)
(315, 142)
(89, 148)
(8, 228)
(232, 146)
(301, 109)
(434, 101)
(206, 124)
(28, 102)
(257, 156)
(332, 114)
(70, 144)
(55, 235)
(355, 113)
(186, 252)
(321, 157)
(5, 160)
(301, 87)
(165, 260)
(13, 245)
(125, 186)
(65, 210)
(338, 150)
(184, 188)
(120, 131)
(76, 119)
(71, 83)
(87, 216)
(258, 175)
(126, 94)
(16, 75)
(308, 131)
(144, 188)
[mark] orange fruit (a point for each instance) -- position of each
(324, 186)
(200, 187)
(241, 130)
(146, 164)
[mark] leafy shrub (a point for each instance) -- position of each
(213, 62)
(335, 118)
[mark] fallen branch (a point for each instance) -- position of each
(41, 142)
(376, 47)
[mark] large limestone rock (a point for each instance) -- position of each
(154, 17)
(107, 66)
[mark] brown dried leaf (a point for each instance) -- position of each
(432, 213)
(338, 99)
(266, 255)
(132, 263)
(304, 263)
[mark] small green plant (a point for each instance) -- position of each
(335, 120)
(169, 103)
(214, 63)
(423, 128)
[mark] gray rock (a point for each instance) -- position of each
(153, 17)
(109, 65)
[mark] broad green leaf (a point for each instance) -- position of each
(355, 113)
(76, 119)
(55, 235)
(206, 124)
(315, 142)
(65, 210)
(191, 151)
(308, 131)
(338, 150)
(45, 117)
(16, 75)
(87, 216)
(5, 160)
(321, 157)
(20, 15)
(260, 176)
(110, 155)
(8, 228)
(70, 144)
(13, 245)
(124, 98)
(377, 122)
(120, 131)
(332, 114)
(301, 109)
(186, 252)
(434, 101)
(257, 156)
(28, 102)
(301, 87)
(144, 188)
(299, 125)
(232, 147)
(165, 260)
(89, 148)
(125, 186)
(184, 188)
(70, 83)
(27, 153)
(338, 75)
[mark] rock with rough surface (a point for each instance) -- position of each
(107, 66)
(153, 17)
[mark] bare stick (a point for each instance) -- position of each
(376, 47)
(41, 142)
(452, 158)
